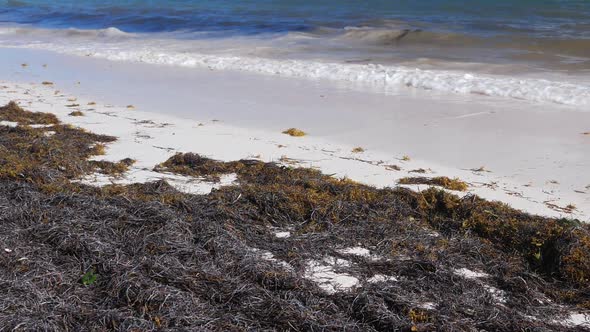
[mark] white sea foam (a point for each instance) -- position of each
(200, 54)
(379, 76)
(24, 31)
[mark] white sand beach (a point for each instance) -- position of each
(533, 156)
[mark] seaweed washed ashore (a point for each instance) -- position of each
(281, 249)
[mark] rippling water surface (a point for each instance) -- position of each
(436, 44)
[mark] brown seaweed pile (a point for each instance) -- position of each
(12, 112)
(441, 181)
(294, 132)
(147, 257)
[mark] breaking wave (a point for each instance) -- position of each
(401, 36)
(24, 31)
(377, 75)
(116, 45)
(383, 36)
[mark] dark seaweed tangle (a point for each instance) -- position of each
(147, 257)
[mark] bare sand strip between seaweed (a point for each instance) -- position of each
(151, 138)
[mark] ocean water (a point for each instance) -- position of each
(536, 50)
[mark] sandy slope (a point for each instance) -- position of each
(151, 138)
(535, 156)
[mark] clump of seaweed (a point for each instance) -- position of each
(198, 166)
(76, 113)
(13, 112)
(27, 153)
(549, 245)
(111, 168)
(294, 132)
(97, 149)
(480, 169)
(358, 150)
(393, 168)
(442, 181)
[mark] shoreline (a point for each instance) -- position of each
(150, 144)
(284, 166)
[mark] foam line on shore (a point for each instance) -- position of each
(380, 77)
(159, 49)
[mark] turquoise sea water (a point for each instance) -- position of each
(539, 18)
(554, 27)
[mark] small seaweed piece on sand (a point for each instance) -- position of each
(76, 113)
(288, 161)
(294, 132)
(130, 106)
(358, 150)
(393, 168)
(73, 105)
(480, 169)
(405, 158)
(419, 170)
(570, 208)
(442, 181)
(47, 83)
